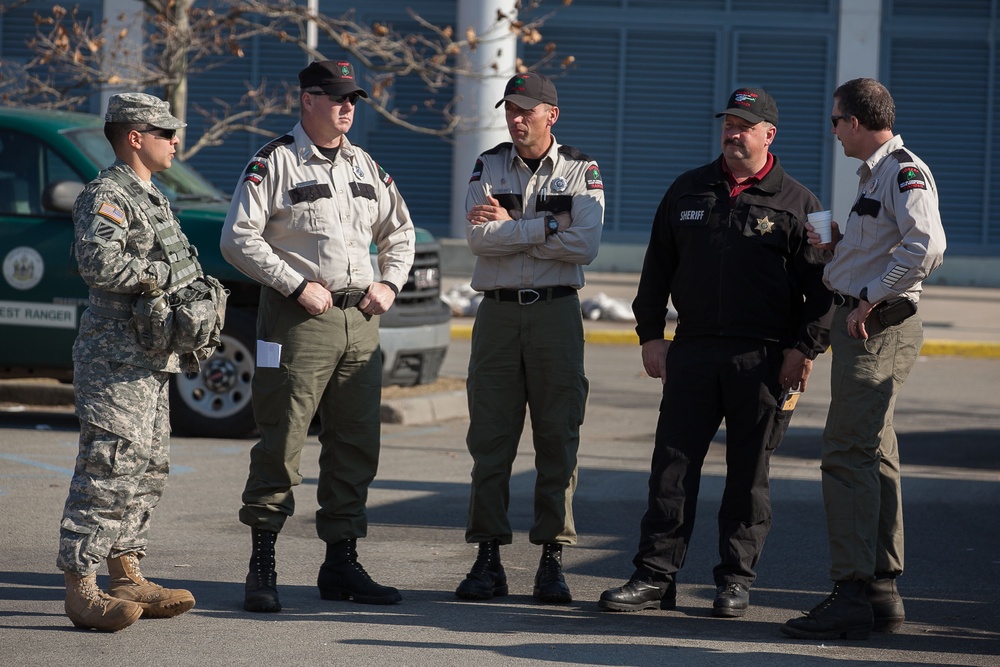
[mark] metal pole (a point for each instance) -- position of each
(483, 126)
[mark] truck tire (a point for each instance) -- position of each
(215, 402)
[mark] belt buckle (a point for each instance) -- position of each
(521, 293)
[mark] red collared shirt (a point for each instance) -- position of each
(736, 188)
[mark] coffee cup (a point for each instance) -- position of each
(820, 221)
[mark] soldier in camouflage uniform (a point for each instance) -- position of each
(121, 386)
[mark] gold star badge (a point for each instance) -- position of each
(764, 226)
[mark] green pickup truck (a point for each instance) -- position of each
(45, 159)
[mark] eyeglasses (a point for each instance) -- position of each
(337, 99)
(834, 119)
(160, 132)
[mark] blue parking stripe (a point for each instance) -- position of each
(38, 464)
(68, 472)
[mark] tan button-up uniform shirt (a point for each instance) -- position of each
(296, 215)
(516, 253)
(893, 237)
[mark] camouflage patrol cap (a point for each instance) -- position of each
(141, 108)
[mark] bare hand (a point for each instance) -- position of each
(856, 320)
(377, 300)
(813, 236)
(316, 299)
(795, 370)
(483, 213)
(654, 358)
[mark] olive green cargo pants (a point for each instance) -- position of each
(330, 363)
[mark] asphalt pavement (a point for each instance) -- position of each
(948, 420)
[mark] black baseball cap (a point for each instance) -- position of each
(335, 77)
(752, 104)
(529, 90)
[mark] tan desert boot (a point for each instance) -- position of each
(91, 608)
(127, 583)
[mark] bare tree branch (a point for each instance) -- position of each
(173, 40)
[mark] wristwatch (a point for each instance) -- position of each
(551, 224)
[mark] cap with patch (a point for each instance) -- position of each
(335, 77)
(529, 90)
(752, 104)
(141, 108)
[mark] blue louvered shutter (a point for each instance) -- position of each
(802, 87)
(265, 60)
(940, 64)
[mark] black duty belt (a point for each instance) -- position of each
(844, 300)
(347, 299)
(526, 297)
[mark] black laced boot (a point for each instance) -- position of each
(846, 614)
(261, 588)
(550, 586)
(486, 579)
(887, 605)
(341, 577)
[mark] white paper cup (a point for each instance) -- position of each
(820, 221)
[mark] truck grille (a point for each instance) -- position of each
(424, 282)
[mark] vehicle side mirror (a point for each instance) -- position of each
(60, 196)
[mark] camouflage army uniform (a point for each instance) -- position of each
(121, 387)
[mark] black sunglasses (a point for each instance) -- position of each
(336, 99)
(834, 119)
(160, 132)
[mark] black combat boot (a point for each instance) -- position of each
(486, 579)
(845, 614)
(550, 586)
(638, 593)
(887, 605)
(261, 588)
(341, 577)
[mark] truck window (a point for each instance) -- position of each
(26, 167)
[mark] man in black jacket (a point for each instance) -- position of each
(729, 246)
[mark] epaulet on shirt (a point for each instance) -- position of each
(574, 154)
(257, 169)
(506, 145)
(269, 148)
(902, 155)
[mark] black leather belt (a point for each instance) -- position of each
(526, 297)
(844, 300)
(348, 299)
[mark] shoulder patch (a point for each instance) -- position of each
(112, 213)
(477, 171)
(255, 171)
(506, 145)
(269, 148)
(574, 154)
(383, 175)
(593, 177)
(910, 178)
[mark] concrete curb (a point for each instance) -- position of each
(428, 409)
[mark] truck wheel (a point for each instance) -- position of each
(215, 402)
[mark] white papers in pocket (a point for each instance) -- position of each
(268, 354)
